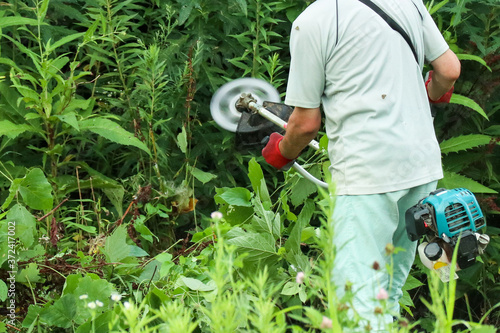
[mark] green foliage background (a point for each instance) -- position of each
(111, 165)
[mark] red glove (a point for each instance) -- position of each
(445, 98)
(272, 154)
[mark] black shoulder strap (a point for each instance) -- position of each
(392, 24)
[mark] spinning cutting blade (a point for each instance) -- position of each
(223, 103)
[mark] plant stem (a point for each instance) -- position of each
(255, 63)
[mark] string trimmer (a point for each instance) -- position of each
(251, 108)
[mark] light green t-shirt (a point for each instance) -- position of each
(377, 115)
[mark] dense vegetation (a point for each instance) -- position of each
(134, 212)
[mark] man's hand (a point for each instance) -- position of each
(272, 153)
(443, 99)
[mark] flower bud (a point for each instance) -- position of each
(216, 216)
(382, 294)
(300, 277)
(389, 249)
(326, 323)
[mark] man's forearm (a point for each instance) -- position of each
(446, 72)
(303, 126)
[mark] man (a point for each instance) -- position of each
(381, 142)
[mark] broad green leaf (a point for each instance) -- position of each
(29, 274)
(237, 196)
(16, 20)
(63, 41)
(61, 313)
(290, 288)
(258, 182)
(466, 101)
(144, 231)
(116, 248)
(31, 116)
(70, 119)
(202, 176)
(462, 56)
(88, 229)
(484, 329)
(3, 291)
(267, 220)
(8, 99)
(157, 297)
(236, 215)
(115, 195)
(136, 251)
(182, 140)
(25, 224)
(55, 66)
(78, 104)
(307, 187)
(307, 234)
(197, 285)
(100, 324)
(166, 263)
(412, 283)
(323, 142)
(32, 315)
(36, 190)
(493, 130)
(436, 7)
(90, 32)
(112, 131)
(464, 142)
(13, 190)
(95, 288)
(71, 284)
(302, 295)
(44, 6)
(259, 247)
(12, 130)
(454, 180)
(315, 316)
(184, 13)
(406, 302)
(292, 244)
(243, 6)
(9, 62)
(37, 250)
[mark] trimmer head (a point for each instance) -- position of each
(223, 103)
(253, 128)
(252, 109)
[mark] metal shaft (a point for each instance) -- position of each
(276, 120)
(248, 101)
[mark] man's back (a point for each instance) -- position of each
(377, 116)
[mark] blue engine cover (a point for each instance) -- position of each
(456, 211)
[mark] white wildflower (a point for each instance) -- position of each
(216, 215)
(299, 278)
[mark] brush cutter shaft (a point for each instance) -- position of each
(304, 173)
(275, 120)
(281, 123)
